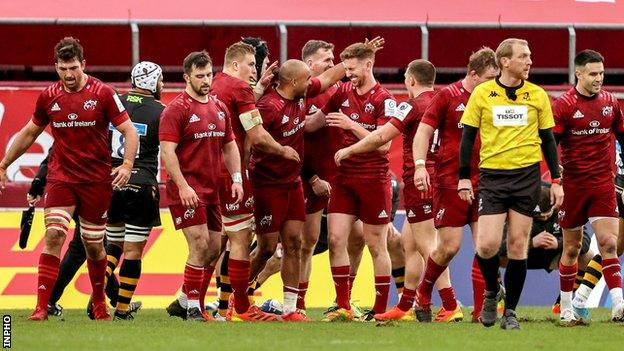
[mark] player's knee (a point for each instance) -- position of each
(607, 244)
(486, 251)
(335, 241)
(57, 226)
(517, 248)
(377, 250)
(54, 238)
(92, 233)
(446, 253)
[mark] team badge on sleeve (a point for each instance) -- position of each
(389, 107)
(402, 111)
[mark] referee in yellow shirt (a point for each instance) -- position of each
(514, 120)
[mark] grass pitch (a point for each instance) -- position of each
(155, 330)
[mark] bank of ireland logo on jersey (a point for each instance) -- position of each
(212, 126)
(72, 116)
(354, 116)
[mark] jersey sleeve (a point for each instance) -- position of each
(403, 115)
(314, 88)
(545, 114)
(435, 111)
(618, 117)
(386, 110)
(472, 114)
(40, 116)
(229, 133)
(114, 110)
(267, 112)
(170, 128)
(245, 100)
(559, 108)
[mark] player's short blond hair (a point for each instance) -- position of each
(358, 51)
(505, 48)
(237, 52)
(481, 60)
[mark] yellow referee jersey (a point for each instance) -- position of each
(508, 128)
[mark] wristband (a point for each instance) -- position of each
(237, 177)
(314, 179)
(419, 163)
(556, 181)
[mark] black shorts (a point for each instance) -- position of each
(502, 190)
(135, 204)
(322, 244)
(619, 187)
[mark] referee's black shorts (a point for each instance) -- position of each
(516, 189)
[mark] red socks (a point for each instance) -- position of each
(303, 288)
(567, 275)
(203, 288)
(97, 274)
(478, 287)
(48, 272)
(239, 279)
(407, 299)
(611, 272)
(192, 281)
(447, 295)
(382, 287)
(341, 281)
(432, 273)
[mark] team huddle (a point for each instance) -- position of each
(266, 164)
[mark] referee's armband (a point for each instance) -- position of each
(250, 119)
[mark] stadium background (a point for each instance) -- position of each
(118, 33)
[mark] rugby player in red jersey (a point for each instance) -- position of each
(79, 109)
(232, 87)
(451, 212)
(318, 168)
(279, 204)
(195, 131)
(419, 80)
(586, 118)
(361, 180)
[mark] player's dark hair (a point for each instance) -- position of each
(587, 56)
(196, 59)
(423, 71)
(262, 51)
(68, 49)
(312, 46)
(481, 60)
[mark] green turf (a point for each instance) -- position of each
(155, 330)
